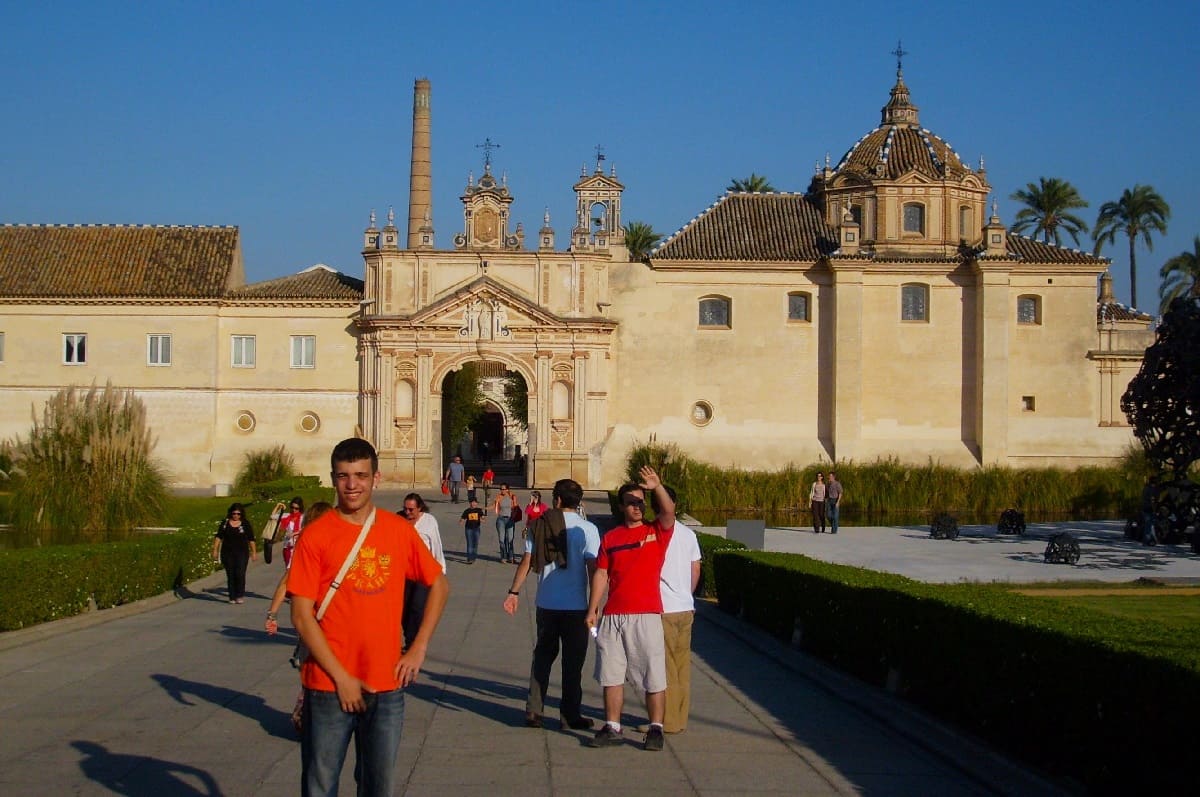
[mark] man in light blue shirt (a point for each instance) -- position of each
(562, 546)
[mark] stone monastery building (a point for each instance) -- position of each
(883, 312)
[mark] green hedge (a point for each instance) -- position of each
(709, 545)
(263, 491)
(41, 584)
(1075, 692)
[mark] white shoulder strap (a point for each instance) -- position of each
(337, 581)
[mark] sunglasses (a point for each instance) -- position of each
(637, 503)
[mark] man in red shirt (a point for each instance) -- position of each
(355, 674)
(629, 636)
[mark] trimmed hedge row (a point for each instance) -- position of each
(42, 584)
(1079, 694)
(709, 545)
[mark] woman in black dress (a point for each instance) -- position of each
(234, 546)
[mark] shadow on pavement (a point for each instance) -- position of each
(484, 697)
(141, 775)
(274, 722)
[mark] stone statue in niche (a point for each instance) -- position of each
(485, 321)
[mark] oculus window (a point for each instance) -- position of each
(715, 312)
(914, 302)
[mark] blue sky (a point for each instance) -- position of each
(293, 120)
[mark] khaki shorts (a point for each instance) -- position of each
(629, 647)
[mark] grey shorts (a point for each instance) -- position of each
(629, 647)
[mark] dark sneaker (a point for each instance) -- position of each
(579, 723)
(606, 737)
(654, 739)
(533, 721)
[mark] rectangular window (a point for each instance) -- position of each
(714, 312)
(243, 351)
(1028, 311)
(74, 349)
(158, 350)
(1028, 403)
(914, 303)
(798, 307)
(304, 351)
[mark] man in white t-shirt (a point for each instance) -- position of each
(678, 582)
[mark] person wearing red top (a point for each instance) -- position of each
(629, 635)
(356, 672)
(536, 508)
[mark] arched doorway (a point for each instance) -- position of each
(486, 419)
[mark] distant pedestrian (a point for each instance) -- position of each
(472, 494)
(485, 452)
(471, 520)
(357, 670)
(1149, 502)
(416, 593)
(233, 546)
(561, 547)
(489, 476)
(629, 636)
(502, 507)
(677, 584)
(816, 500)
(833, 500)
(454, 475)
(291, 524)
(533, 510)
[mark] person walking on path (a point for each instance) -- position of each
(455, 474)
(534, 510)
(415, 593)
(1149, 501)
(472, 519)
(489, 476)
(353, 564)
(833, 500)
(292, 523)
(561, 546)
(816, 500)
(677, 584)
(629, 636)
(233, 546)
(502, 507)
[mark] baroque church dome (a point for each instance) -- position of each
(900, 145)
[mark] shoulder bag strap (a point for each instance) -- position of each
(337, 581)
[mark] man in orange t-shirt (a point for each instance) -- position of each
(355, 674)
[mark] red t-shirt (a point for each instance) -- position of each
(362, 623)
(634, 558)
(534, 511)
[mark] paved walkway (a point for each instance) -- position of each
(190, 697)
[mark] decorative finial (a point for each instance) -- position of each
(981, 163)
(428, 216)
(470, 179)
(546, 216)
(504, 179)
(612, 170)
(487, 146)
(899, 52)
(826, 160)
(372, 225)
(583, 170)
(994, 213)
(391, 216)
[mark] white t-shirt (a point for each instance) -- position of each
(675, 583)
(431, 535)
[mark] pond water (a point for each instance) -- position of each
(794, 517)
(11, 539)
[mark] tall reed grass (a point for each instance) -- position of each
(88, 465)
(264, 465)
(887, 486)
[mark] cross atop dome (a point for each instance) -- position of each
(899, 109)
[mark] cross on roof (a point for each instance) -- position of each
(899, 52)
(599, 155)
(487, 146)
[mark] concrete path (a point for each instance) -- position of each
(190, 697)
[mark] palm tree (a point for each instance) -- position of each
(640, 240)
(1048, 206)
(1137, 213)
(755, 183)
(1180, 276)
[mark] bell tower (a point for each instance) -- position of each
(597, 209)
(486, 210)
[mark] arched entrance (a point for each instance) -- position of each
(485, 420)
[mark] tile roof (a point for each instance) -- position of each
(86, 261)
(316, 282)
(752, 226)
(1034, 251)
(901, 149)
(1115, 311)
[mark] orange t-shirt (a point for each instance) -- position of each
(362, 623)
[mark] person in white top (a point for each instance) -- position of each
(415, 594)
(678, 581)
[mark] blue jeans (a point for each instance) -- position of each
(326, 735)
(472, 542)
(831, 514)
(504, 534)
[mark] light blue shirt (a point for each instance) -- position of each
(565, 590)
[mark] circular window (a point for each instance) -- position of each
(310, 422)
(245, 421)
(702, 413)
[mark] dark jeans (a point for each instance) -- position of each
(415, 595)
(326, 735)
(831, 512)
(553, 626)
(472, 543)
(505, 529)
(235, 563)
(818, 512)
(454, 488)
